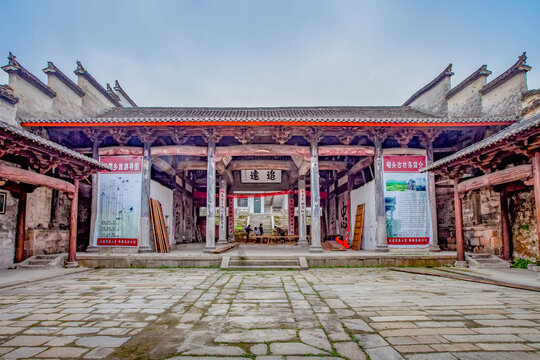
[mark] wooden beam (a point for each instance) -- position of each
(333, 165)
(404, 151)
(505, 225)
(191, 165)
(163, 165)
(21, 225)
(346, 150)
(186, 150)
(515, 173)
(72, 248)
(361, 165)
(29, 177)
(261, 165)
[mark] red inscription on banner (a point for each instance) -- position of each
(408, 240)
(123, 164)
(403, 164)
(116, 242)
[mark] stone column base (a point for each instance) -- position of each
(208, 249)
(72, 264)
(145, 249)
(434, 248)
(381, 248)
(461, 264)
(222, 242)
(316, 249)
(92, 249)
(303, 242)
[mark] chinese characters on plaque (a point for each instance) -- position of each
(406, 201)
(261, 176)
(119, 201)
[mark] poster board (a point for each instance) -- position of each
(119, 202)
(358, 227)
(406, 202)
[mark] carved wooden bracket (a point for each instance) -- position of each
(120, 135)
(314, 134)
(146, 135)
(93, 134)
(430, 134)
(246, 135)
(347, 136)
(377, 135)
(211, 134)
(404, 136)
(179, 136)
(283, 134)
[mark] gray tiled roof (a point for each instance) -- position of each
(519, 66)
(346, 115)
(41, 142)
(482, 71)
(51, 69)
(84, 73)
(504, 135)
(446, 72)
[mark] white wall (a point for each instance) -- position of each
(365, 195)
(166, 197)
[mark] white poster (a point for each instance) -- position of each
(119, 201)
(406, 202)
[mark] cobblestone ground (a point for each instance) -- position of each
(319, 314)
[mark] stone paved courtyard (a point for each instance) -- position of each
(318, 314)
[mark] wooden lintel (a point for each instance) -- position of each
(261, 165)
(345, 150)
(186, 150)
(32, 178)
(192, 165)
(515, 173)
(304, 168)
(333, 165)
(404, 151)
(163, 165)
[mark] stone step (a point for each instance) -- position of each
(42, 262)
(46, 257)
(266, 267)
(261, 262)
(486, 261)
(39, 262)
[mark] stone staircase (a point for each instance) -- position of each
(262, 263)
(43, 261)
(486, 261)
(264, 219)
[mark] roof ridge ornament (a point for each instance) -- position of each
(80, 69)
(481, 71)
(15, 67)
(519, 66)
(445, 73)
(52, 69)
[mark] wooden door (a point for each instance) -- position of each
(358, 227)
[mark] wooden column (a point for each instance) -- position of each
(222, 210)
(459, 223)
(291, 214)
(432, 199)
(382, 241)
(21, 225)
(210, 197)
(536, 181)
(144, 233)
(302, 223)
(72, 251)
(505, 224)
(315, 199)
(94, 209)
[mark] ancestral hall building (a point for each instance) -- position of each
(79, 163)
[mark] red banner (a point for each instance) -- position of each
(408, 241)
(403, 164)
(116, 242)
(123, 164)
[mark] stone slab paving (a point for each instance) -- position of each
(266, 315)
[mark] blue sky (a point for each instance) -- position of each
(271, 53)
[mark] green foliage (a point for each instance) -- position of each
(521, 263)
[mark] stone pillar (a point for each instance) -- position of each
(459, 226)
(94, 209)
(211, 198)
(505, 225)
(302, 223)
(222, 211)
(72, 250)
(144, 234)
(536, 182)
(432, 198)
(382, 241)
(21, 225)
(315, 199)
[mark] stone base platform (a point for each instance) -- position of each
(191, 255)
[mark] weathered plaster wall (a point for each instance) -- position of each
(481, 222)
(93, 102)
(166, 197)
(433, 101)
(505, 100)
(365, 195)
(45, 241)
(32, 102)
(38, 208)
(523, 223)
(468, 102)
(8, 112)
(66, 103)
(8, 228)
